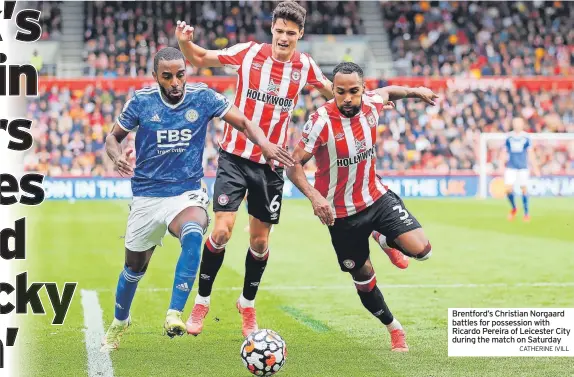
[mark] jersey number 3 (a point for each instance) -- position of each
(403, 212)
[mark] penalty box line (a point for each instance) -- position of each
(382, 286)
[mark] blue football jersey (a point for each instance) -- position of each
(517, 147)
(170, 139)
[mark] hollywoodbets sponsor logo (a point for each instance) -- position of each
(344, 162)
(285, 103)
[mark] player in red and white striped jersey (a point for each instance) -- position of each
(347, 195)
(270, 78)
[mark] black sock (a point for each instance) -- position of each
(254, 269)
(375, 303)
(210, 264)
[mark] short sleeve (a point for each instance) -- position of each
(314, 134)
(375, 99)
(129, 117)
(233, 56)
(218, 104)
(315, 76)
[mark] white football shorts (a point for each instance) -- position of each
(518, 177)
(149, 217)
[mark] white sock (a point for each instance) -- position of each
(202, 300)
(172, 311)
(117, 322)
(425, 257)
(245, 303)
(395, 325)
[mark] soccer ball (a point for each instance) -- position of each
(263, 352)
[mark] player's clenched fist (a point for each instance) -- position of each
(123, 165)
(323, 210)
(183, 32)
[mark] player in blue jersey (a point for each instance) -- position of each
(171, 122)
(516, 156)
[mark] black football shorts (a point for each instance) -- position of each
(350, 235)
(237, 176)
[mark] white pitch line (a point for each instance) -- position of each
(99, 364)
(382, 286)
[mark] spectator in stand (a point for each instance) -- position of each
(476, 39)
(121, 38)
(50, 18)
(70, 127)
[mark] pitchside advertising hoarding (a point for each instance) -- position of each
(423, 186)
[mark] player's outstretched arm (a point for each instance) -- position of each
(197, 56)
(114, 151)
(395, 92)
(269, 150)
(296, 174)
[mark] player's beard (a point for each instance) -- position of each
(351, 112)
(170, 98)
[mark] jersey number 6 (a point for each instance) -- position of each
(274, 205)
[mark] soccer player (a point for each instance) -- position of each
(348, 196)
(516, 155)
(270, 78)
(167, 195)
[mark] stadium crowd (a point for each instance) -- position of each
(459, 38)
(50, 18)
(70, 128)
(122, 37)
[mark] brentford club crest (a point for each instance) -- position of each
(223, 199)
(371, 120)
(296, 75)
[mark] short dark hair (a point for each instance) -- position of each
(290, 11)
(167, 54)
(348, 68)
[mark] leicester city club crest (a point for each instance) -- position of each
(191, 115)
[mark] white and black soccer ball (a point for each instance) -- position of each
(263, 352)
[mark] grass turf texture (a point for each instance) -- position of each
(328, 332)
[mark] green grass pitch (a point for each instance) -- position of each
(304, 296)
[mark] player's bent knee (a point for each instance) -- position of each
(425, 253)
(137, 266)
(259, 244)
(138, 261)
(365, 278)
(220, 236)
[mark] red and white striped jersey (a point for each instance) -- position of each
(345, 154)
(267, 92)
